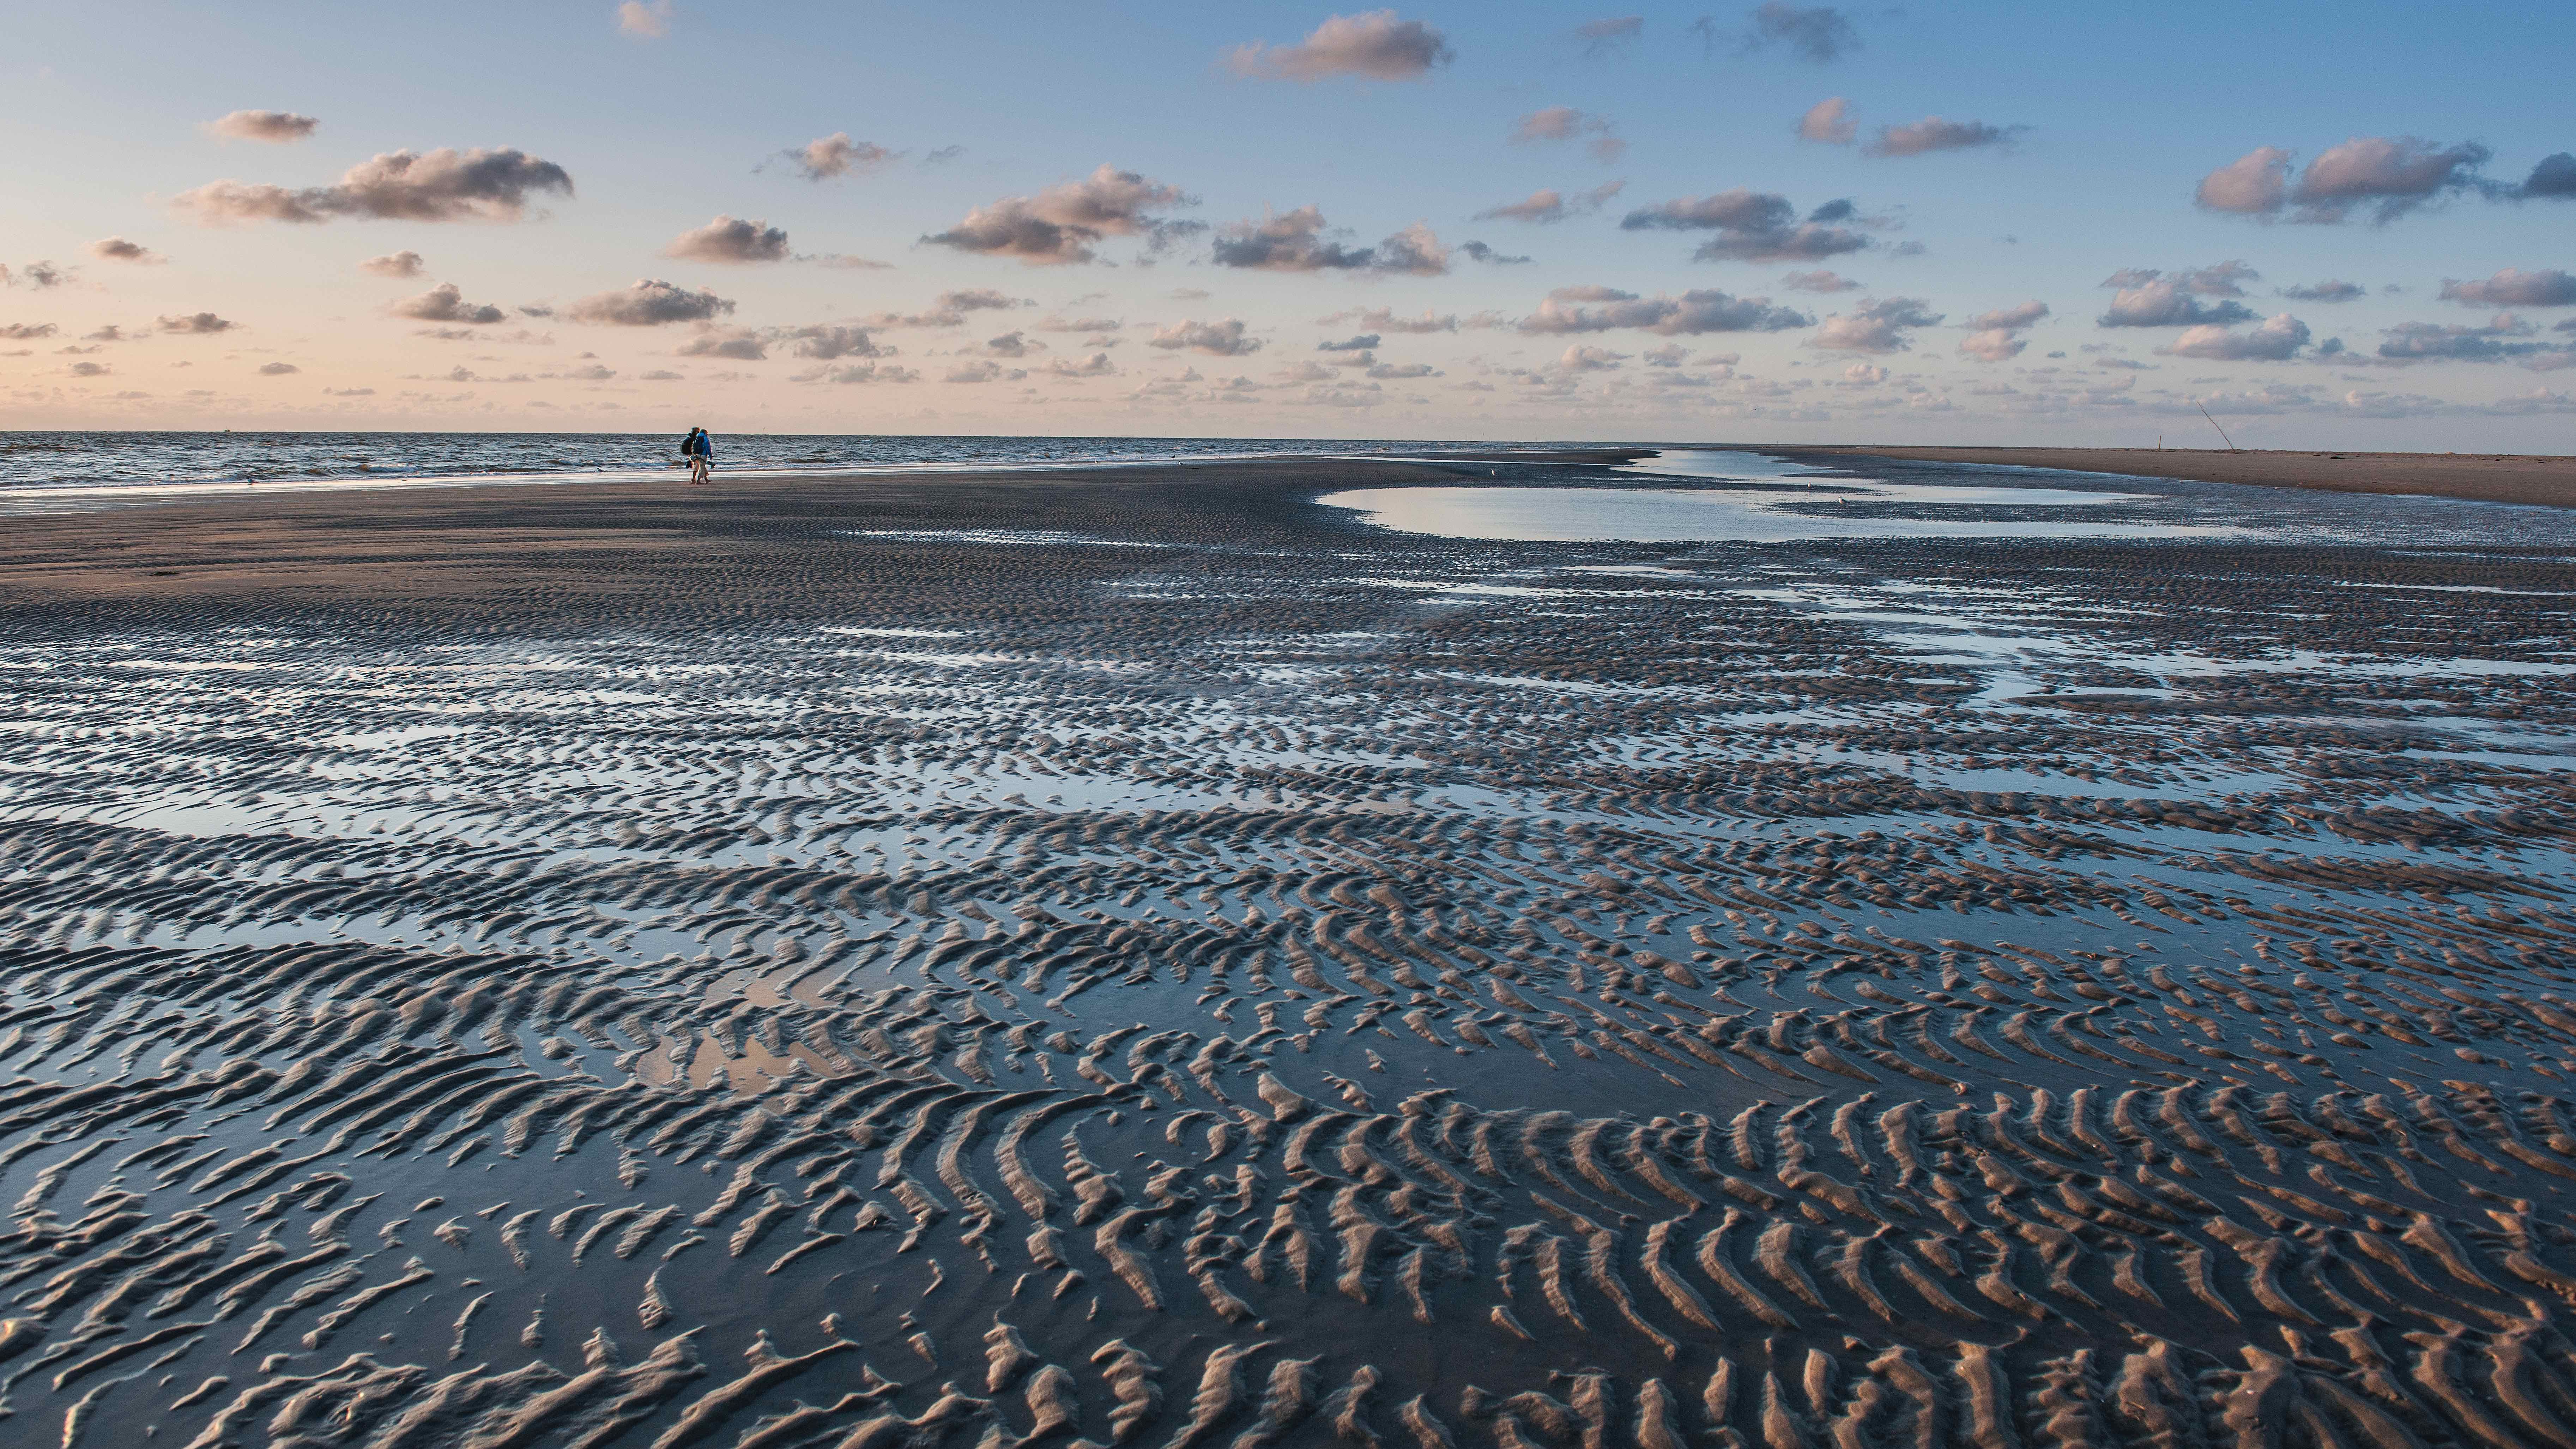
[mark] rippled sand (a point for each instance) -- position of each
(1137, 958)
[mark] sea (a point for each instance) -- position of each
(173, 460)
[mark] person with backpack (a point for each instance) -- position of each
(700, 450)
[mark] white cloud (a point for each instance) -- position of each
(648, 303)
(274, 127)
(1375, 46)
(1932, 133)
(1604, 309)
(1829, 121)
(730, 241)
(1216, 339)
(2278, 340)
(644, 19)
(441, 185)
(1874, 326)
(825, 157)
(1064, 222)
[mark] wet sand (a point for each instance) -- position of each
(2477, 477)
(1133, 957)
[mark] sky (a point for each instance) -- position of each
(2346, 225)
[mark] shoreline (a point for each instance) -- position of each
(2526, 479)
(62, 499)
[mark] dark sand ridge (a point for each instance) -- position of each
(576, 967)
(2478, 477)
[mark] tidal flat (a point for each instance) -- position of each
(1147, 956)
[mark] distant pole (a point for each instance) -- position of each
(2213, 422)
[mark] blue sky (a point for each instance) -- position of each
(2077, 137)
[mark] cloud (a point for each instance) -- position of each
(1401, 371)
(1062, 323)
(1600, 37)
(740, 344)
(986, 371)
(658, 375)
(862, 372)
(1932, 133)
(1012, 344)
(194, 324)
(1550, 205)
(275, 127)
(2254, 184)
(1829, 121)
(1361, 343)
(1383, 319)
(444, 303)
(825, 157)
(1817, 34)
(730, 241)
(1565, 123)
(43, 276)
(2146, 297)
(277, 369)
(644, 19)
(2277, 340)
(1480, 252)
(118, 249)
(1752, 226)
(1874, 326)
(1578, 358)
(26, 331)
(1096, 365)
(2554, 177)
(89, 369)
(1062, 223)
(394, 264)
(1994, 336)
(2445, 342)
(2513, 287)
(442, 185)
(1416, 252)
(826, 342)
(648, 303)
(2398, 174)
(1604, 309)
(1375, 45)
(2010, 319)
(1819, 281)
(1216, 339)
(2389, 175)
(949, 309)
(1294, 242)
(2325, 292)
(943, 155)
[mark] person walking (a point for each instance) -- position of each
(700, 450)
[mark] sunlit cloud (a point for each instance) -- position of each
(441, 185)
(1372, 46)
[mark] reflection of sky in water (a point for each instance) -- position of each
(1776, 499)
(1643, 515)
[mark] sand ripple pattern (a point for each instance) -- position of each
(1290, 986)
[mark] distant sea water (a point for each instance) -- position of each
(162, 460)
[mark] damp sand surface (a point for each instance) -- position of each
(2547, 480)
(1139, 956)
